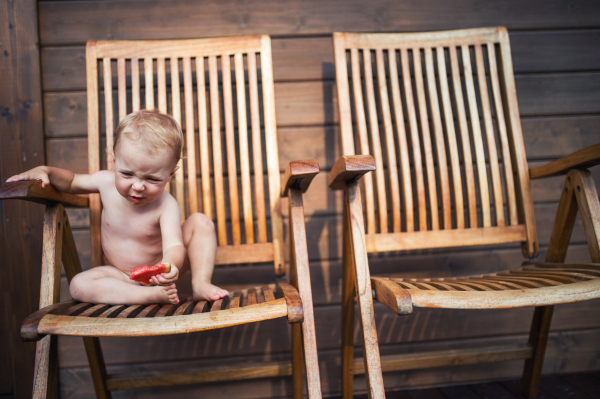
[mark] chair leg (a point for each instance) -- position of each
(347, 315)
(97, 367)
(538, 338)
(297, 361)
(46, 364)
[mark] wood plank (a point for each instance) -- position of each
(315, 103)
(311, 58)
(88, 21)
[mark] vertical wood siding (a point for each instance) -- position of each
(556, 56)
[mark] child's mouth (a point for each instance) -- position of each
(136, 200)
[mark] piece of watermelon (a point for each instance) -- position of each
(143, 274)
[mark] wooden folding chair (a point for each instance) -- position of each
(227, 83)
(442, 179)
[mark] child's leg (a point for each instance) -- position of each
(107, 284)
(201, 243)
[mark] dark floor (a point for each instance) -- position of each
(568, 386)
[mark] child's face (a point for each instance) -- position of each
(140, 177)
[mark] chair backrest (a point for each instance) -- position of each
(214, 86)
(438, 112)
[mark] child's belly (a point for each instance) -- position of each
(128, 252)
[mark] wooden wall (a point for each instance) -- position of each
(556, 56)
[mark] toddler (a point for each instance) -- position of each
(140, 220)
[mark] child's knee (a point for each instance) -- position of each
(201, 222)
(77, 287)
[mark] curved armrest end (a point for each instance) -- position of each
(299, 174)
(349, 168)
(292, 300)
(584, 158)
(31, 190)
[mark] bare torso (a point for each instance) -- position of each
(131, 236)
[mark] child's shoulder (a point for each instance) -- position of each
(168, 204)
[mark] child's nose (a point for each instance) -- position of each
(138, 185)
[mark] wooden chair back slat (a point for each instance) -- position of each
(227, 105)
(177, 181)
(149, 82)
(439, 138)
(108, 107)
(122, 84)
(452, 142)
(402, 143)
(426, 139)
(244, 151)
(416, 147)
(230, 145)
(477, 139)
(362, 136)
(135, 84)
(266, 65)
(375, 142)
(465, 140)
(257, 149)
(189, 134)
(389, 140)
(489, 131)
(207, 208)
(161, 78)
(215, 116)
(452, 172)
(508, 174)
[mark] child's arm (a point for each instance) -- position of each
(63, 180)
(172, 242)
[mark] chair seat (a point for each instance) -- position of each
(102, 320)
(533, 284)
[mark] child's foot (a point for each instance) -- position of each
(208, 292)
(168, 294)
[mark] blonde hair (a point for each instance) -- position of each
(154, 129)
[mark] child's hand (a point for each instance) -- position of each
(39, 173)
(166, 278)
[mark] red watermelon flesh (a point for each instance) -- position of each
(143, 274)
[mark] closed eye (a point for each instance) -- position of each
(126, 174)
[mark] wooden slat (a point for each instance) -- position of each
(231, 152)
(76, 309)
(135, 84)
(243, 142)
(164, 310)
(414, 136)
(465, 140)
(257, 149)
(131, 311)
(477, 139)
(272, 154)
(491, 138)
(235, 300)
(452, 357)
(403, 146)
(500, 119)
(176, 98)
(452, 145)
(149, 84)
(427, 150)
(94, 310)
(244, 253)
(251, 297)
(190, 139)
(268, 293)
(183, 308)
(362, 135)
(200, 307)
(444, 238)
(215, 117)
(113, 309)
(375, 141)
(161, 77)
(108, 108)
(148, 311)
(203, 138)
(439, 139)
(122, 84)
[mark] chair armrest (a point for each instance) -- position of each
(299, 174)
(31, 190)
(292, 300)
(349, 168)
(585, 158)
